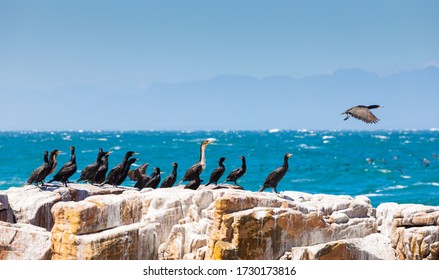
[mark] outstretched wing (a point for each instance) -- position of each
(363, 114)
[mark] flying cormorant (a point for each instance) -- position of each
(362, 113)
(39, 174)
(99, 177)
(67, 170)
(237, 173)
(198, 167)
(169, 181)
(155, 179)
(118, 171)
(275, 176)
(89, 172)
(217, 173)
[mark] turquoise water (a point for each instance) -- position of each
(387, 166)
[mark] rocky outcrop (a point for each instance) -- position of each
(412, 228)
(88, 222)
(24, 242)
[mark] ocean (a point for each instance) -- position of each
(387, 166)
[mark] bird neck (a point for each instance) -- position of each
(244, 164)
(73, 158)
(174, 171)
(221, 164)
(202, 154)
(286, 161)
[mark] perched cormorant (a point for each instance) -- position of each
(194, 184)
(169, 181)
(217, 173)
(39, 174)
(67, 170)
(362, 113)
(198, 167)
(123, 175)
(89, 172)
(237, 173)
(99, 177)
(37, 171)
(139, 175)
(53, 161)
(118, 171)
(275, 176)
(155, 179)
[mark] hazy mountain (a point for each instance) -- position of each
(233, 102)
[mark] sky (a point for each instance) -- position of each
(56, 46)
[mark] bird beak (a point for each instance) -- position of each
(290, 155)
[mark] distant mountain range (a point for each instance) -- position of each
(410, 100)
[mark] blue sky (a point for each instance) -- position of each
(51, 46)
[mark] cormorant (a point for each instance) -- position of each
(139, 175)
(118, 171)
(362, 113)
(275, 176)
(169, 181)
(123, 175)
(67, 170)
(199, 166)
(155, 179)
(39, 174)
(34, 175)
(194, 184)
(217, 173)
(237, 173)
(89, 172)
(99, 177)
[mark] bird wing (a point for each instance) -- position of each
(192, 171)
(134, 174)
(232, 175)
(33, 177)
(274, 177)
(364, 114)
(216, 174)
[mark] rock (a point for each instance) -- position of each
(245, 230)
(24, 242)
(31, 205)
(372, 247)
(89, 222)
(6, 214)
(412, 228)
(120, 243)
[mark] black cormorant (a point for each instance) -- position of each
(116, 173)
(89, 172)
(154, 181)
(139, 175)
(39, 174)
(34, 175)
(237, 173)
(194, 184)
(217, 173)
(198, 167)
(123, 175)
(169, 181)
(362, 113)
(99, 177)
(275, 176)
(67, 170)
